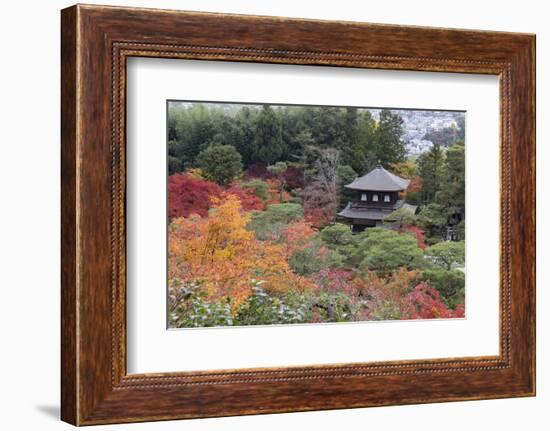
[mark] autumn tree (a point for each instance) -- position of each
(294, 176)
(187, 195)
(223, 257)
(220, 163)
(386, 294)
(319, 198)
(306, 253)
(406, 169)
(249, 200)
(425, 302)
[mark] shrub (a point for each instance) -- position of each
(432, 218)
(309, 259)
(337, 235)
(450, 284)
(385, 250)
(188, 309)
(446, 254)
(220, 163)
(424, 302)
(259, 188)
(264, 309)
(269, 223)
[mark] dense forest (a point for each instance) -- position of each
(254, 237)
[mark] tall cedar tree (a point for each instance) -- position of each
(244, 133)
(351, 152)
(329, 127)
(453, 193)
(194, 133)
(431, 166)
(390, 148)
(268, 140)
(364, 154)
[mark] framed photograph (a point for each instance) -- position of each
(265, 215)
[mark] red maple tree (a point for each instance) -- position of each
(188, 195)
(249, 201)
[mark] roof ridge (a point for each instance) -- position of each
(380, 179)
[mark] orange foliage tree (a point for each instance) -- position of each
(223, 257)
(297, 235)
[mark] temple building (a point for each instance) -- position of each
(376, 196)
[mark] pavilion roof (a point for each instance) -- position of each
(381, 180)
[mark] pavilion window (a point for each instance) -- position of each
(363, 196)
(386, 198)
(375, 198)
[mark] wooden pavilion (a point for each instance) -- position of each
(376, 196)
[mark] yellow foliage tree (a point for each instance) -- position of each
(224, 258)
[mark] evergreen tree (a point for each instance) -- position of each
(432, 218)
(365, 149)
(346, 175)
(328, 128)
(353, 152)
(431, 167)
(390, 148)
(244, 133)
(267, 146)
(300, 142)
(174, 165)
(220, 163)
(194, 132)
(453, 192)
